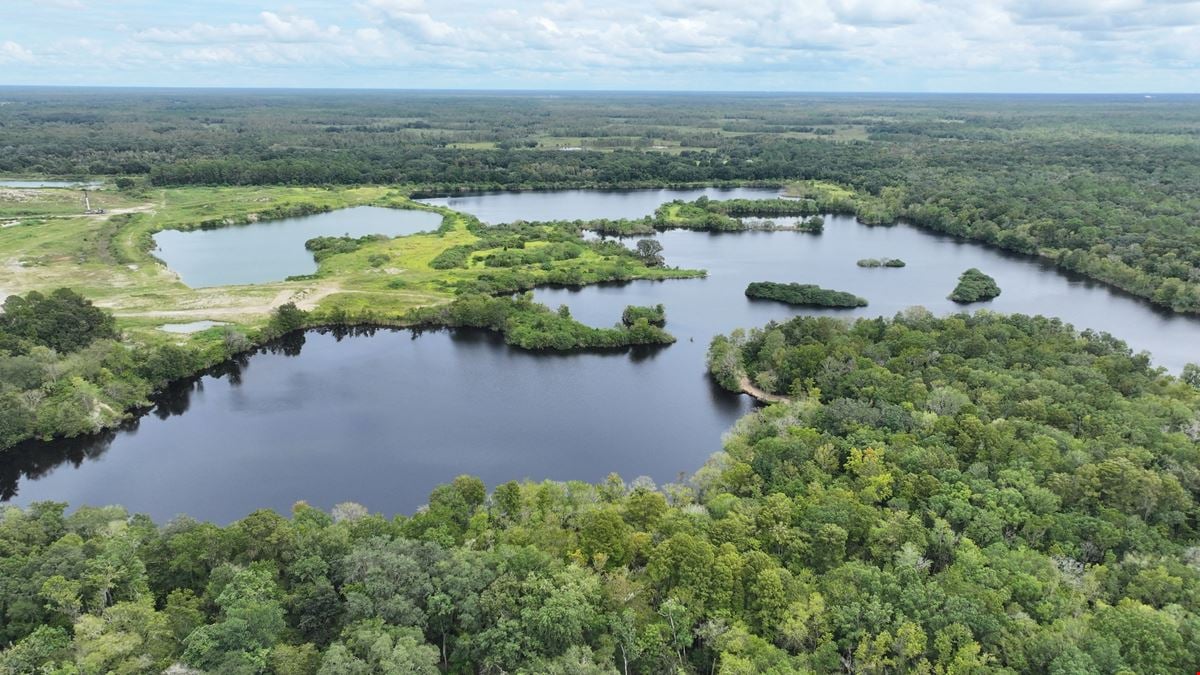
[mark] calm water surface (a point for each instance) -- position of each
(274, 250)
(382, 419)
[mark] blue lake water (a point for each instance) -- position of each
(381, 418)
(274, 250)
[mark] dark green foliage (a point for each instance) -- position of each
(455, 256)
(622, 228)
(720, 216)
(649, 251)
(758, 207)
(323, 247)
(974, 286)
(285, 319)
(881, 262)
(803, 294)
(63, 372)
(533, 255)
(1105, 186)
(166, 363)
(655, 316)
(724, 363)
(63, 321)
(529, 325)
(966, 494)
(276, 212)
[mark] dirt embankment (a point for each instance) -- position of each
(760, 395)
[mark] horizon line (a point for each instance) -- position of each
(468, 90)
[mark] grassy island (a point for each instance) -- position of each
(809, 295)
(713, 215)
(974, 286)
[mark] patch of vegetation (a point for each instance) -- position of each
(533, 256)
(455, 256)
(63, 321)
(803, 294)
(276, 212)
(974, 286)
(64, 371)
(622, 227)
(530, 325)
(655, 316)
(323, 247)
(881, 262)
(714, 216)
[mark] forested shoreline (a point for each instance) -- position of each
(1103, 186)
(975, 493)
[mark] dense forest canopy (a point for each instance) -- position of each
(1106, 185)
(974, 286)
(967, 494)
(64, 371)
(805, 295)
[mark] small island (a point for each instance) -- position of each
(974, 286)
(881, 262)
(809, 295)
(655, 316)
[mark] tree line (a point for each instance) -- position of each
(969, 494)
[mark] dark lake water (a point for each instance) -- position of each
(274, 250)
(382, 419)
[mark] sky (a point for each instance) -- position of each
(1127, 46)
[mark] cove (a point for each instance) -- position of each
(274, 250)
(382, 418)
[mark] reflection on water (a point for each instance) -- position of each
(380, 417)
(33, 460)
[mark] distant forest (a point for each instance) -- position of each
(1106, 186)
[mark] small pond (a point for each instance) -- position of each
(189, 327)
(274, 250)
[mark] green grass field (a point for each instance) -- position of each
(108, 257)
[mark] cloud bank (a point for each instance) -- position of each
(821, 45)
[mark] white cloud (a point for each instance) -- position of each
(411, 18)
(271, 27)
(11, 52)
(818, 44)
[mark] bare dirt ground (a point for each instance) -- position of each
(222, 305)
(749, 388)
